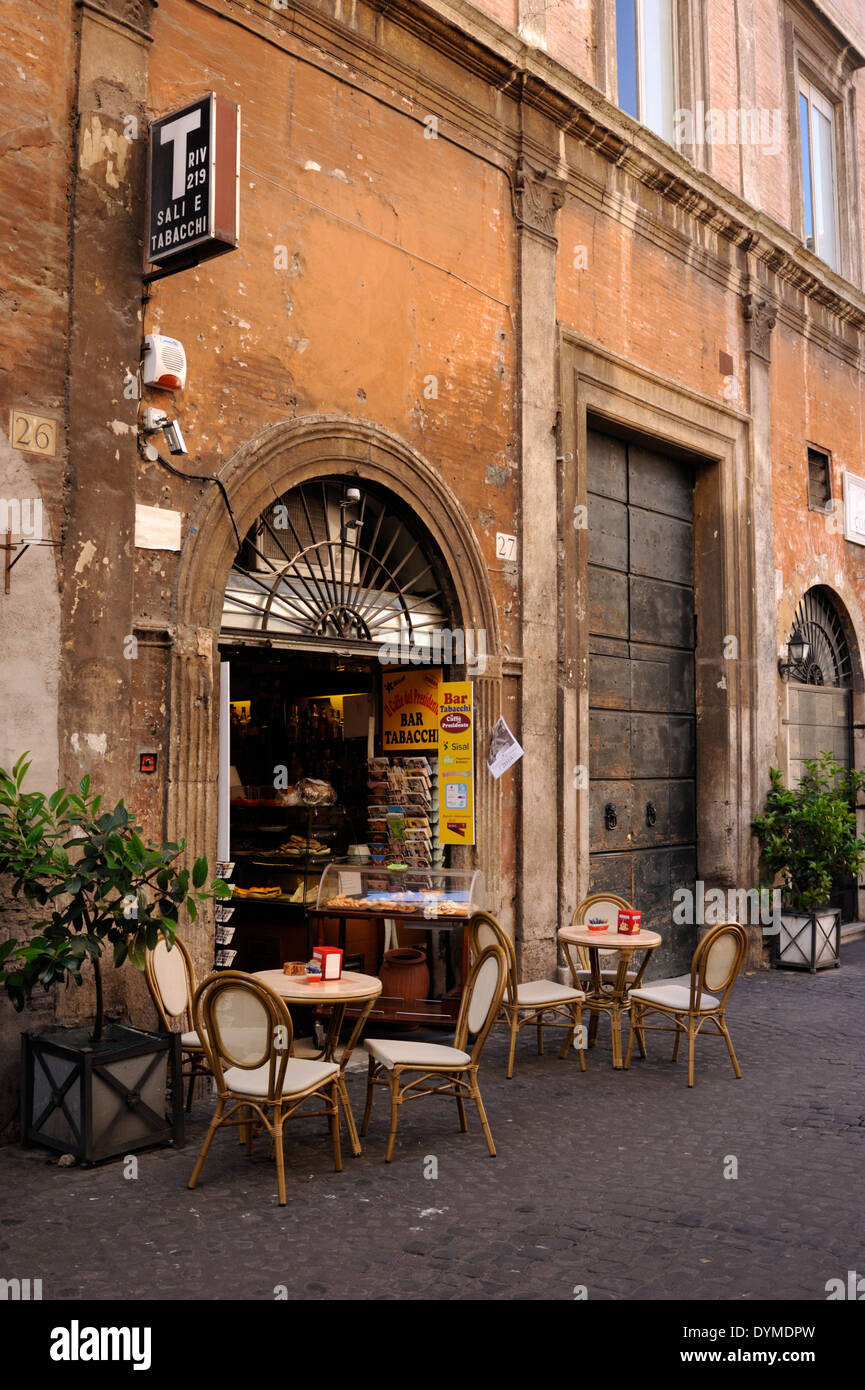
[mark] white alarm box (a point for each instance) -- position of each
(164, 363)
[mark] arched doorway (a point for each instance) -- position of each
(332, 611)
(410, 504)
(820, 702)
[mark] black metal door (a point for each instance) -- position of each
(641, 685)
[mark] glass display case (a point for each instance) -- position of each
(352, 888)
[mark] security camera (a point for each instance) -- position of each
(156, 421)
(174, 438)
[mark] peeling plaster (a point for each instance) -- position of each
(88, 550)
(96, 743)
(102, 145)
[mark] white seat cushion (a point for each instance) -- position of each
(299, 1075)
(393, 1052)
(547, 992)
(190, 1040)
(674, 996)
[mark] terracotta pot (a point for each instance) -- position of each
(404, 976)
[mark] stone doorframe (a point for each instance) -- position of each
(257, 475)
(736, 730)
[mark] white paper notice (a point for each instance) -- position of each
(156, 528)
(504, 749)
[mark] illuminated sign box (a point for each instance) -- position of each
(194, 176)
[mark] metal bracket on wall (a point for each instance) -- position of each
(9, 563)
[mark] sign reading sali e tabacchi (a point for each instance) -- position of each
(194, 173)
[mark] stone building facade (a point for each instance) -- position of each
(468, 277)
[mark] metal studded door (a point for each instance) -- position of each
(641, 685)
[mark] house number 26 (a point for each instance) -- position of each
(35, 434)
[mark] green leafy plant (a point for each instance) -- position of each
(102, 887)
(807, 834)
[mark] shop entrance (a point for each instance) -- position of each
(642, 755)
(302, 731)
(336, 594)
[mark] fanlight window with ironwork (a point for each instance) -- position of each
(329, 560)
(827, 659)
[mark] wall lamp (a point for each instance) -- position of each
(798, 652)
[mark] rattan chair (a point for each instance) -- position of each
(542, 1002)
(715, 967)
(248, 1038)
(171, 980)
(606, 907)
(453, 1069)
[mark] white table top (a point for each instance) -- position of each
(352, 986)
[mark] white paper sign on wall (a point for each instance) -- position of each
(156, 528)
(506, 546)
(854, 508)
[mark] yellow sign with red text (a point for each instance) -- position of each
(456, 763)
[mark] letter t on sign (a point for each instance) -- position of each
(176, 133)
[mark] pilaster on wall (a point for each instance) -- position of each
(760, 314)
(538, 195)
(104, 347)
(532, 22)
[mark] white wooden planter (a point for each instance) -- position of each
(809, 940)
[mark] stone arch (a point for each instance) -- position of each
(258, 474)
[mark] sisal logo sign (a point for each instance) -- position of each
(194, 168)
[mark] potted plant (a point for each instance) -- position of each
(807, 835)
(95, 885)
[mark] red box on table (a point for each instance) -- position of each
(330, 960)
(630, 922)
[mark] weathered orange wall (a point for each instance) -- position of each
(640, 301)
(816, 399)
(372, 259)
(37, 71)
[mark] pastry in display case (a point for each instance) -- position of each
(348, 888)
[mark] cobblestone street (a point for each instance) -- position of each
(612, 1181)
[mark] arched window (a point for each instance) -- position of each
(338, 561)
(827, 661)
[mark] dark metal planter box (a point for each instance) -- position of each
(809, 941)
(98, 1100)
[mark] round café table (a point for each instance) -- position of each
(609, 999)
(351, 988)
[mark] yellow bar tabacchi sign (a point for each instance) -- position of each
(409, 718)
(456, 763)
